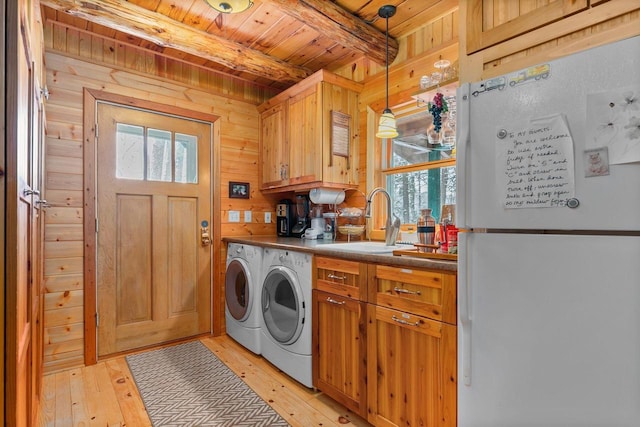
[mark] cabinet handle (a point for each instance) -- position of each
(333, 276)
(29, 192)
(406, 291)
(332, 301)
(404, 322)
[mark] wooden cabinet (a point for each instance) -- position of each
(384, 341)
(411, 347)
(339, 332)
(490, 22)
(411, 369)
(297, 133)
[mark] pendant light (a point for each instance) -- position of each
(230, 6)
(387, 125)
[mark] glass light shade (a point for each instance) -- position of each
(387, 126)
(230, 6)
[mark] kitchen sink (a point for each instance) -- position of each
(362, 247)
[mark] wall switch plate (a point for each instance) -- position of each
(234, 216)
(267, 217)
(247, 216)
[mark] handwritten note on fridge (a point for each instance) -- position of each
(535, 165)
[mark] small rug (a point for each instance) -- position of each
(187, 385)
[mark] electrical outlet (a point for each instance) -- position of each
(267, 217)
(234, 216)
(247, 216)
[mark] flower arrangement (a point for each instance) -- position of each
(436, 108)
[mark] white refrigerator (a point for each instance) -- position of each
(549, 268)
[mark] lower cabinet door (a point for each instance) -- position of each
(339, 365)
(411, 369)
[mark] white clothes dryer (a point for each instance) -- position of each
(286, 312)
(243, 281)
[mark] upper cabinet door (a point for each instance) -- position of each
(490, 22)
(305, 136)
(274, 146)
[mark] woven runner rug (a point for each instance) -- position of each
(187, 385)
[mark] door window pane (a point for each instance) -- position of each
(129, 151)
(158, 155)
(186, 160)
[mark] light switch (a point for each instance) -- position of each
(247, 216)
(267, 217)
(234, 216)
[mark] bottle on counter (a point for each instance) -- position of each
(426, 227)
(441, 233)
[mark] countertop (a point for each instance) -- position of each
(310, 246)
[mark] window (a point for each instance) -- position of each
(418, 167)
(146, 154)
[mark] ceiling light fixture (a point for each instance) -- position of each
(230, 6)
(387, 126)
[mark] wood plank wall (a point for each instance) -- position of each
(76, 60)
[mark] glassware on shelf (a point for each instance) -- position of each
(425, 82)
(449, 73)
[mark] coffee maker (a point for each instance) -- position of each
(302, 216)
(285, 218)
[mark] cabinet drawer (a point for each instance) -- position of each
(427, 293)
(341, 277)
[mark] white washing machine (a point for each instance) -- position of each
(243, 281)
(286, 312)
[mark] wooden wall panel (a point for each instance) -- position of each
(430, 37)
(78, 60)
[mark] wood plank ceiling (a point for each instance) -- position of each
(276, 43)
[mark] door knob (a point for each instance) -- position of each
(205, 238)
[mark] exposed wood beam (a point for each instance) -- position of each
(164, 31)
(348, 30)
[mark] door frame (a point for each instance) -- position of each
(90, 99)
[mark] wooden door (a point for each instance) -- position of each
(274, 147)
(23, 257)
(305, 136)
(153, 194)
(411, 366)
(36, 265)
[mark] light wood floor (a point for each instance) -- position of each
(106, 395)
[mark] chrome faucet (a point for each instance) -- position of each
(391, 228)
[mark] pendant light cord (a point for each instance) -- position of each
(387, 40)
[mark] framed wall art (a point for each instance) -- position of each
(238, 190)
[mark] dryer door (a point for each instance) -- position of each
(237, 289)
(282, 305)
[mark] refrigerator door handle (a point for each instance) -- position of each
(464, 300)
(463, 139)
